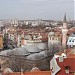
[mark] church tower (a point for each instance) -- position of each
(64, 32)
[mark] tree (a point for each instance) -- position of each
(5, 40)
(54, 48)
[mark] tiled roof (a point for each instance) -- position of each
(69, 60)
(69, 52)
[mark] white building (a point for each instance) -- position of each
(71, 40)
(53, 39)
(14, 22)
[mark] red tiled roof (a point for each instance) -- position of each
(71, 30)
(44, 39)
(66, 62)
(59, 53)
(69, 53)
(69, 61)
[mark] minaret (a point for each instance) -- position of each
(64, 32)
(64, 22)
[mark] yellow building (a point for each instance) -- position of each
(1, 42)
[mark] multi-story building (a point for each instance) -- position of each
(54, 39)
(71, 40)
(14, 22)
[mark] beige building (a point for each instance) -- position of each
(53, 38)
(1, 42)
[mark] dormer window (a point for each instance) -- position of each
(69, 40)
(73, 40)
(67, 69)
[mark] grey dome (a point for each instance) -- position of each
(42, 46)
(51, 34)
(43, 53)
(32, 56)
(35, 69)
(35, 56)
(6, 52)
(3, 53)
(9, 52)
(20, 51)
(32, 49)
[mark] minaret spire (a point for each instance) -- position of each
(64, 19)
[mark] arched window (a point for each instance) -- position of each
(52, 38)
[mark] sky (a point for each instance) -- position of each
(34, 9)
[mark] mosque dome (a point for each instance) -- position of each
(51, 34)
(35, 69)
(33, 49)
(9, 52)
(35, 56)
(43, 53)
(21, 51)
(42, 46)
(5, 52)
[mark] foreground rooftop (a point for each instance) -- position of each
(31, 73)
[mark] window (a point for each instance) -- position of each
(73, 40)
(69, 40)
(56, 38)
(20, 44)
(20, 41)
(52, 38)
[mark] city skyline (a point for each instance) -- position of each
(33, 9)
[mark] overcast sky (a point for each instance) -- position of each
(33, 9)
